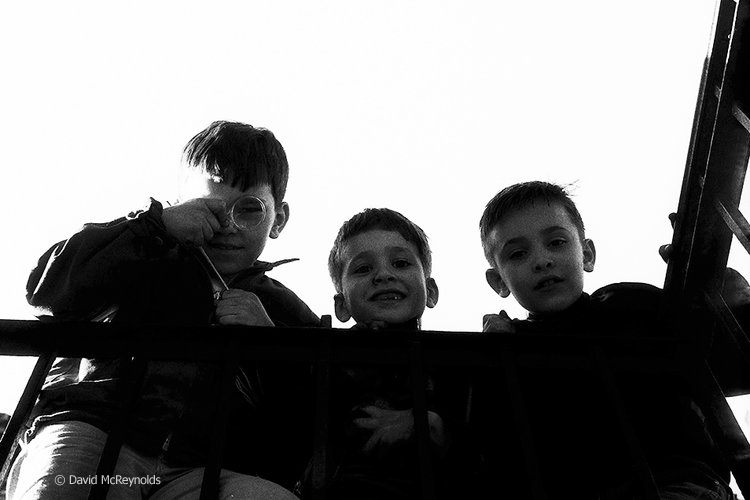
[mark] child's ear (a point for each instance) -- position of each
(432, 292)
(341, 309)
(496, 283)
(589, 255)
(281, 216)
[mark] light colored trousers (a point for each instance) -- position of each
(60, 462)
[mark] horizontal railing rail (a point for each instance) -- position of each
(324, 348)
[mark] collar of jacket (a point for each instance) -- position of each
(267, 266)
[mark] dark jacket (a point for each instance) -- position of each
(390, 471)
(580, 445)
(134, 265)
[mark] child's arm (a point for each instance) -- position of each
(78, 277)
(390, 427)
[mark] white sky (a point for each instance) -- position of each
(428, 108)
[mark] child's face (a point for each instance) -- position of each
(233, 249)
(539, 258)
(383, 280)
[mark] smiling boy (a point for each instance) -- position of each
(380, 265)
(151, 268)
(533, 237)
(382, 279)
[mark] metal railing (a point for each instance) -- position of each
(324, 348)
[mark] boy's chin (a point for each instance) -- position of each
(228, 265)
(393, 319)
(552, 307)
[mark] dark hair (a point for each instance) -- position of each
(377, 218)
(241, 155)
(519, 196)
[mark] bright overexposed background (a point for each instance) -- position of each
(426, 107)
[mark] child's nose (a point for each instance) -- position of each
(543, 262)
(383, 275)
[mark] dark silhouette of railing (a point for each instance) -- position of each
(325, 348)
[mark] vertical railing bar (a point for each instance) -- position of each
(635, 450)
(9, 441)
(421, 421)
(133, 380)
(212, 471)
(323, 388)
(512, 380)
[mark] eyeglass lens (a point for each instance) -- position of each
(248, 212)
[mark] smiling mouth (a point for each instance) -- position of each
(546, 283)
(387, 297)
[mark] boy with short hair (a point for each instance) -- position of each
(533, 237)
(193, 263)
(380, 265)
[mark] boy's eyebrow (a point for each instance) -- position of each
(544, 232)
(399, 249)
(553, 229)
(364, 253)
(369, 253)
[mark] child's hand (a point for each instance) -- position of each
(390, 427)
(239, 307)
(498, 323)
(196, 221)
(665, 251)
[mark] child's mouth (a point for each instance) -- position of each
(387, 296)
(547, 283)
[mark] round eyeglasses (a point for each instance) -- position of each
(247, 212)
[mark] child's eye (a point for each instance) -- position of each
(558, 242)
(401, 263)
(517, 254)
(363, 269)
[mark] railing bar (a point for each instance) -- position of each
(518, 406)
(9, 441)
(323, 387)
(421, 422)
(635, 450)
(735, 221)
(723, 426)
(133, 381)
(212, 471)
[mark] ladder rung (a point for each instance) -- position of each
(741, 116)
(735, 221)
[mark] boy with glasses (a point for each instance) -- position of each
(193, 263)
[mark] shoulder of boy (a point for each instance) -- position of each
(148, 226)
(628, 297)
(622, 305)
